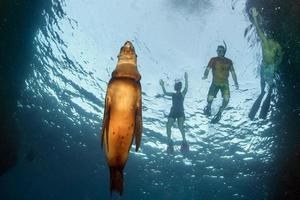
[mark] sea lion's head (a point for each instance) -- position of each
(127, 53)
(127, 48)
(127, 63)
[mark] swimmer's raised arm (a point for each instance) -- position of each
(161, 82)
(185, 84)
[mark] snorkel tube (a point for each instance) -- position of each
(225, 46)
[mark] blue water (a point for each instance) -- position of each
(61, 107)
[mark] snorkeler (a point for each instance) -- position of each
(177, 112)
(220, 66)
(272, 57)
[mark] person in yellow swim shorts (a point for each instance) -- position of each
(220, 66)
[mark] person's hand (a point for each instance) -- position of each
(236, 86)
(253, 12)
(204, 77)
(185, 76)
(161, 82)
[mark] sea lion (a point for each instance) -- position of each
(122, 119)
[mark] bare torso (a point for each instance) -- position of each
(270, 50)
(221, 67)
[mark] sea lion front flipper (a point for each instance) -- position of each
(105, 121)
(138, 129)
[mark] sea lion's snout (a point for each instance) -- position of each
(127, 49)
(128, 44)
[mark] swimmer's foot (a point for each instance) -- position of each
(207, 111)
(255, 106)
(216, 118)
(170, 148)
(184, 147)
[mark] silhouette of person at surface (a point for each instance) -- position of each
(176, 112)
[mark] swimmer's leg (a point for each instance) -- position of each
(170, 148)
(226, 97)
(184, 145)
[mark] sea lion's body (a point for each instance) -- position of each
(122, 119)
